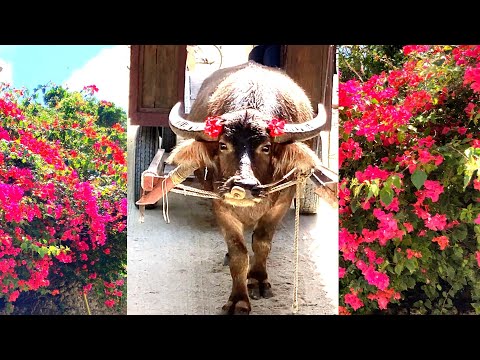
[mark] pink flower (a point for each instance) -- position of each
(353, 301)
(341, 272)
(408, 49)
(472, 77)
(470, 110)
(275, 127)
(63, 257)
(393, 206)
(110, 303)
(366, 205)
(376, 278)
(436, 222)
(91, 88)
(349, 149)
(477, 220)
(14, 296)
(477, 256)
(371, 173)
(433, 189)
(476, 184)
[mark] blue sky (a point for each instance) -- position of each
(74, 66)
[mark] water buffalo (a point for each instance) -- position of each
(245, 130)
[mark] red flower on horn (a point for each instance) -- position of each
(213, 126)
(275, 127)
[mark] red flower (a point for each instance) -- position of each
(408, 226)
(412, 253)
(442, 241)
(275, 127)
(213, 126)
(13, 296)
(110, 303)
(342, 310)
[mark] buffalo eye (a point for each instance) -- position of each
(222, 146)
(266, 148)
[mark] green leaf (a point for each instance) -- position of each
(398, 268)
(411, 264)
(396, 181)
(375, 189)
(354, 205)
(459, 234)
(466, 180)
(386, 195)
(418, 178)
(356, 191)
(450, 272)
(42, 251)
(476, 306)
(370, 194)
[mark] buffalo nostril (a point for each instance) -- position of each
(255, 191)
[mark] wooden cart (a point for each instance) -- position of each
(157, 82)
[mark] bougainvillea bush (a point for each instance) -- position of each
(409, 194)
(63, 200)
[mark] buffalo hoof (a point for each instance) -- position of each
(240, 307)
(226, 260)
(257, 290)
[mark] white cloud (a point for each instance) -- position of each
(109, 71)
(6, 72)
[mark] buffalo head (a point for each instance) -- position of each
(246, 151)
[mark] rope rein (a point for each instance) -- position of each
(299, 181)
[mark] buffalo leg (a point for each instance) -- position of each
(232, 229)
(258, 284)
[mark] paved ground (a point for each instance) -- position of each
(177, 268)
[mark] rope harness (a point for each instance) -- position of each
(177, 177)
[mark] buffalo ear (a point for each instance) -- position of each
(293, 155)
(192, 153)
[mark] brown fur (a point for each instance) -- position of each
(246, 96)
